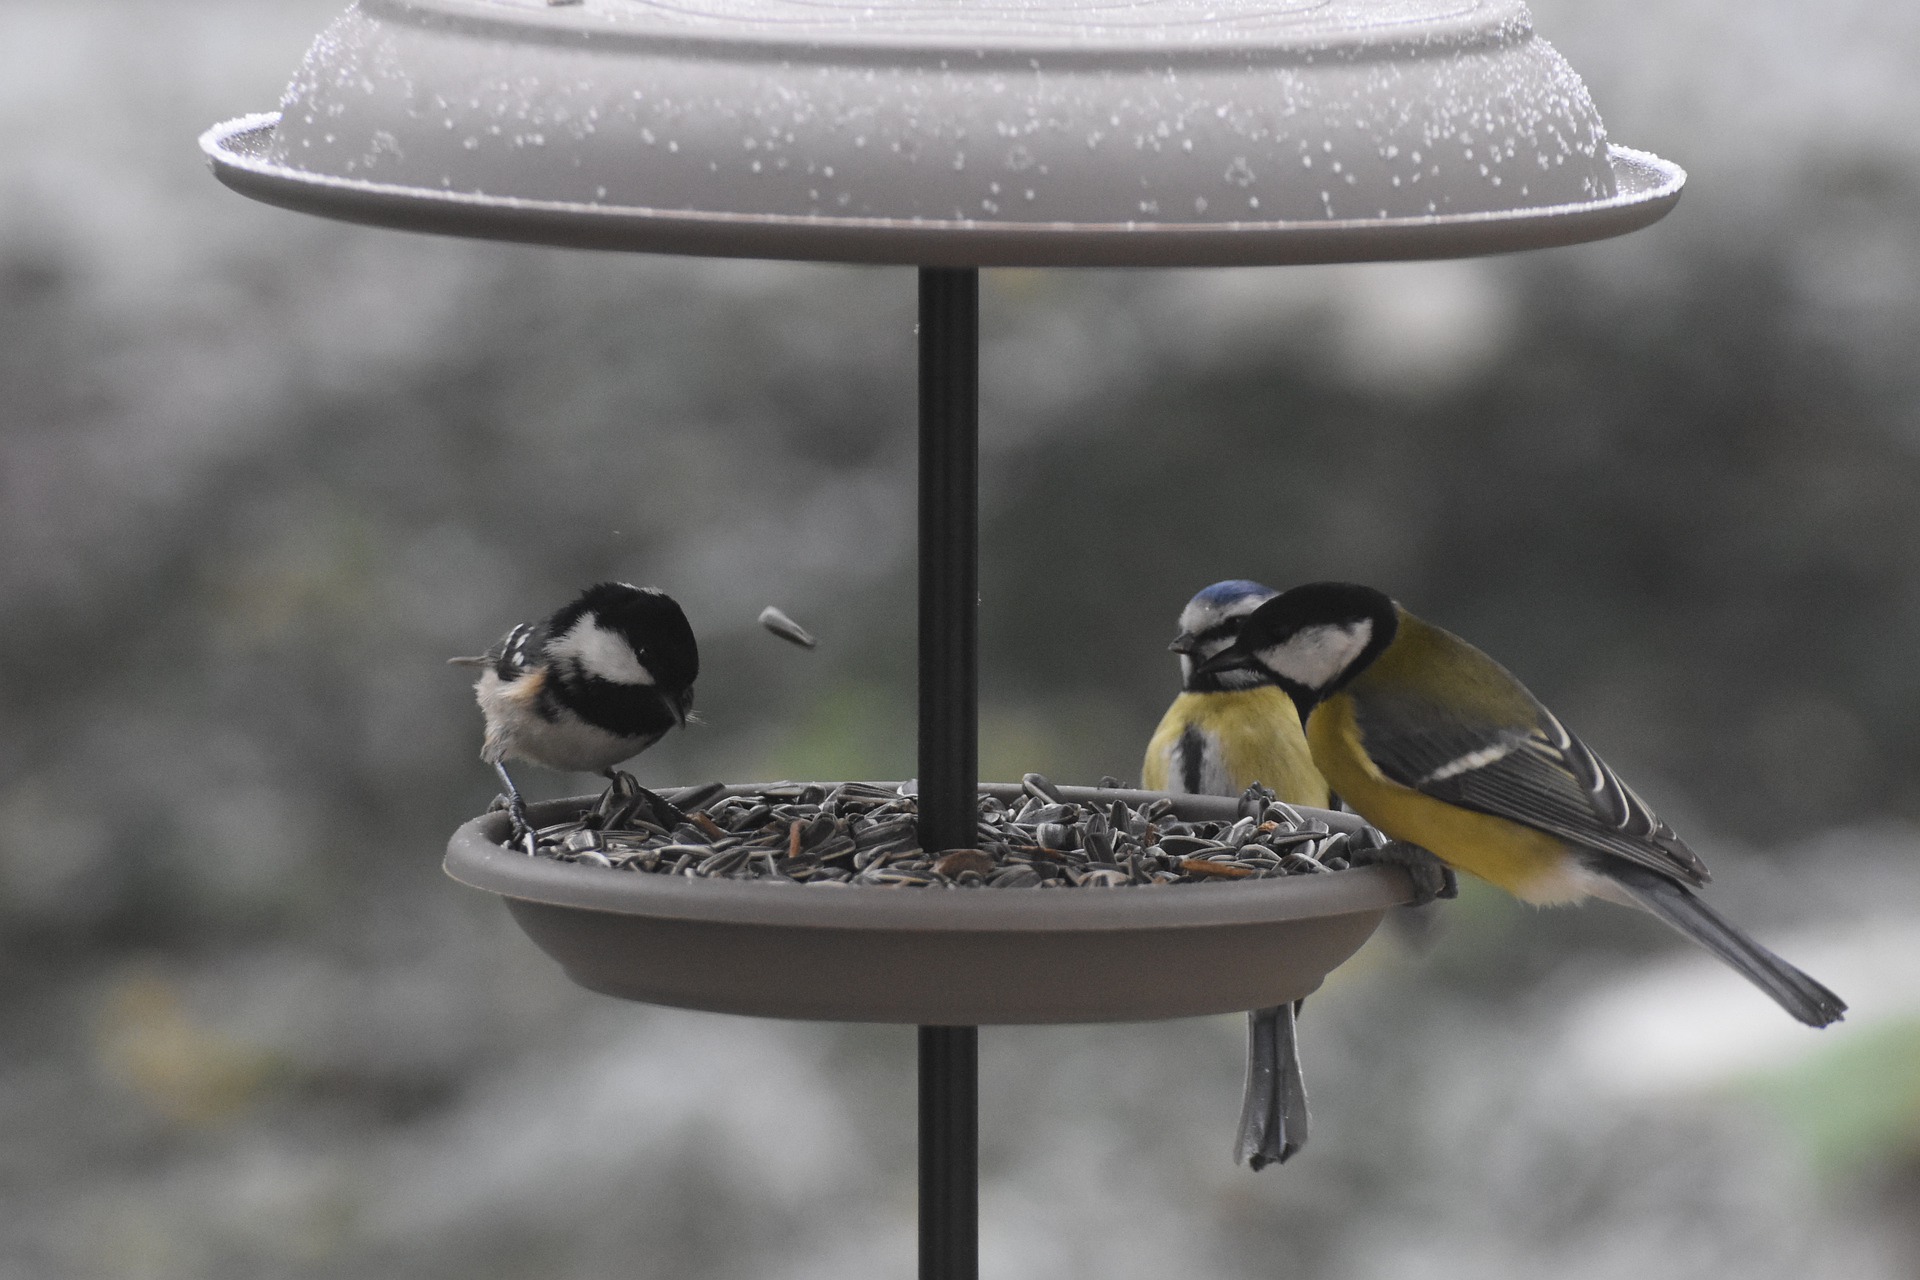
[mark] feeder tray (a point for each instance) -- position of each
(936, 956)
(1058, 132)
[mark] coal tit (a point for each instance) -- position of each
(597, 682)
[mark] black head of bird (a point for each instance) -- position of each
(1309, 640)
(623, 658)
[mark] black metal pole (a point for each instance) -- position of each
(949, 555)
(949, 743)
(949, 1153)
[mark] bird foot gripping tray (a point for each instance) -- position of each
(1049, 132)
(872, 951)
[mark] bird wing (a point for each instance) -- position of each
(513, 654)
(1516, 762)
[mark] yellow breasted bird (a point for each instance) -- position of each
(1226, 731)
(1438, 745)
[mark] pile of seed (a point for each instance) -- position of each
(858, 833)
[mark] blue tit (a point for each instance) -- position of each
(1232, 728)
(1438, 745)
(1225, 732)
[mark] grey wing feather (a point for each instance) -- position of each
(1792, 989)
(509, 655)
(1538, 775)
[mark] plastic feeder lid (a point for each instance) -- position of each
(952, 132)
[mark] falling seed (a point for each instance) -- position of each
(786, 628)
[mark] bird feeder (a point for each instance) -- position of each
(949, 136)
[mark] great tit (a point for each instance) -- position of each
(1436, 744)
(597, 682)
(1226, 731)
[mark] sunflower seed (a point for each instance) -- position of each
(1038, 784)
(786, 628)
(1054, 835)
(952, 864)
(866, 833)
(721, 863)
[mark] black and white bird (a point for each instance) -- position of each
(593, 684)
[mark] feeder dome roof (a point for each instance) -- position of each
(952, 132)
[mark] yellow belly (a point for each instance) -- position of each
(1529, 864)
(1246, 735)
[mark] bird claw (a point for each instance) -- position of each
(520, 830)
(520, 833)
(625, 797)
(1431, 877)
(665, 812)
(622, 790)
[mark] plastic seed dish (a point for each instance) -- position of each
(1050, 132)
(1107, 944)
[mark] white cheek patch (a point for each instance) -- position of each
(1197, 618)
(600, 653)
(1200, 617)
(1315, 656)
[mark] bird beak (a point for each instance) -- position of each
(1184, 643)
(1231, 658)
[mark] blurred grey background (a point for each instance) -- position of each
(260, 474)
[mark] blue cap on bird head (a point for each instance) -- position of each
(1209, 624)
(1222, 594)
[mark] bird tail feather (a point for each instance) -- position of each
(1793, 990)
(1273, 1115)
